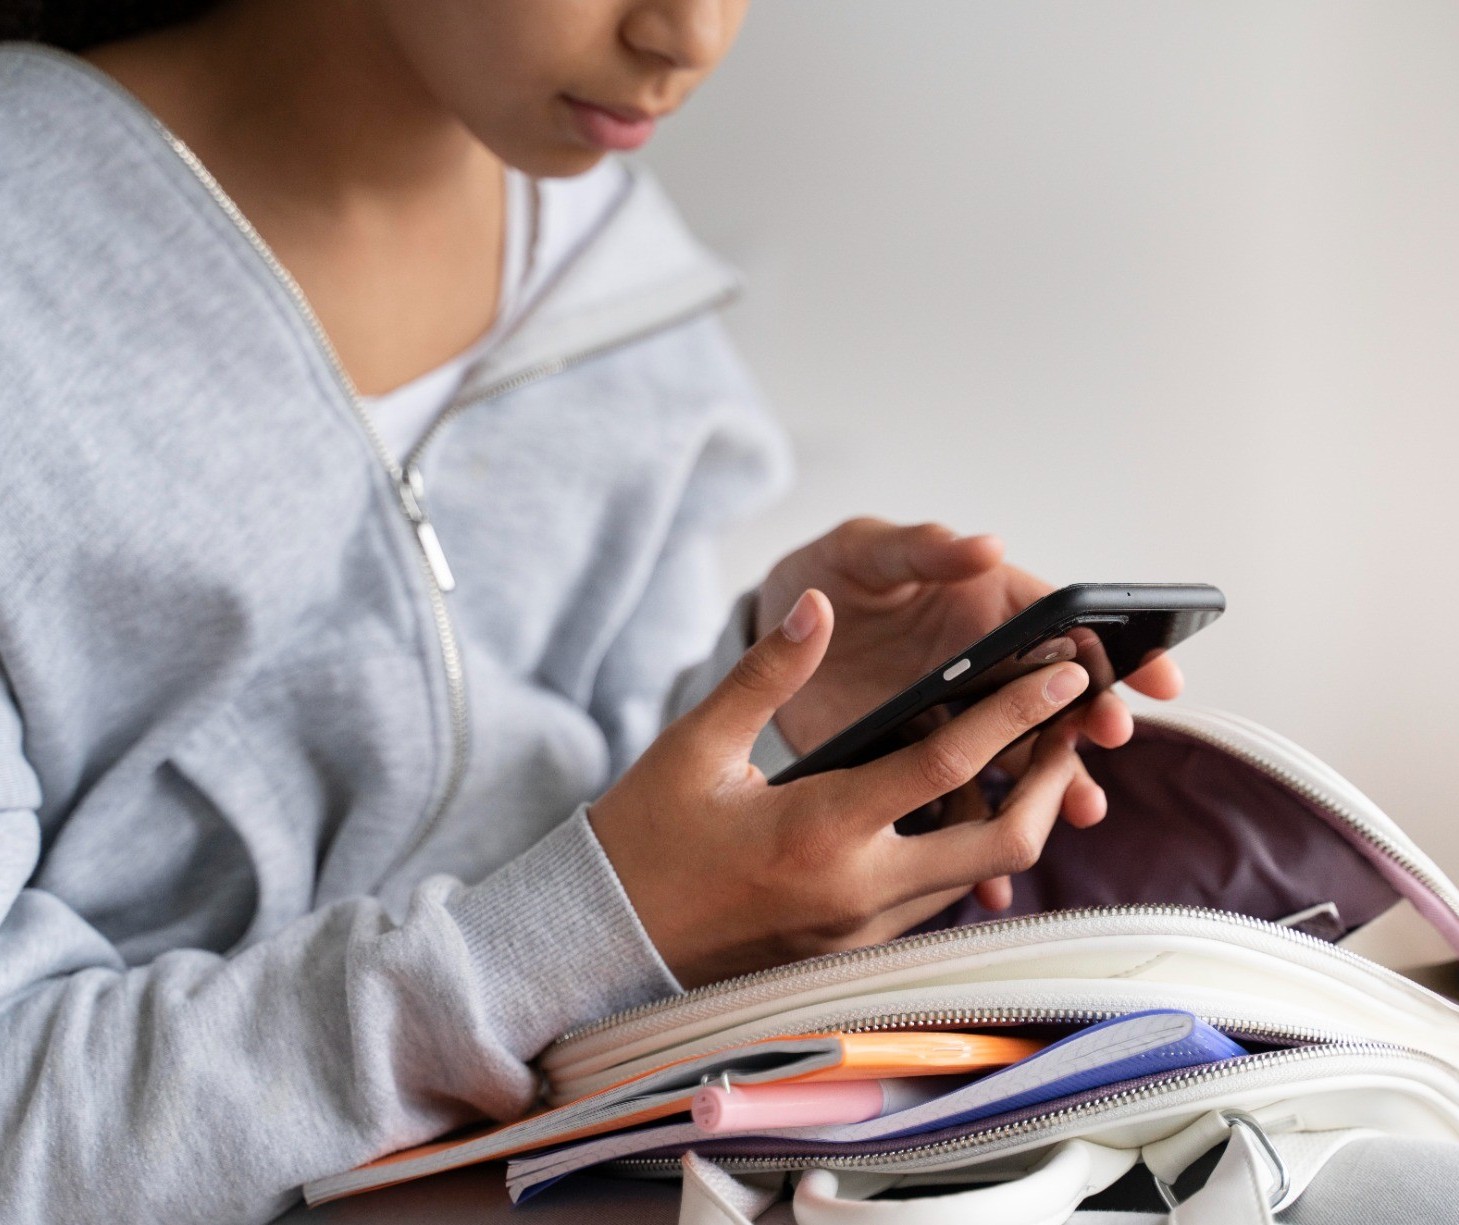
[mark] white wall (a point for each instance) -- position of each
(1158, 290)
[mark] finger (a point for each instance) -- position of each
(952, 755)
(769, 673)
(965, 806)
(881, 555)
(1107, 721)
(995, 893)
(1011, 842)
(1160, 678)
(1085, 803)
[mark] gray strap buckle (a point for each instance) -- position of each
(1280, 1173)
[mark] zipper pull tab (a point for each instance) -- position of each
(412, 497)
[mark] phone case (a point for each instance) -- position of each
(1131, 621)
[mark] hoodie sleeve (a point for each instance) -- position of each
(207, 1088)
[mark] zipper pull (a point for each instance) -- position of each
(411, 489)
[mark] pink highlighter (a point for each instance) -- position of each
(718, 1108)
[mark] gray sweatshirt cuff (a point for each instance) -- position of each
(552, 937)
(555, 941)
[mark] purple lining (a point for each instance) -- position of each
(1192, 825)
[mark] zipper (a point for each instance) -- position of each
(1074, 1116)
(1194, 726)
(437, 566)
(412, 499)
(858, 1021)
(406, 479)
(405, 475)
(1235, 1027)
(775, 975)
(557, 365)
(994, 1003)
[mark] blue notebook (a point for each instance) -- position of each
(1131, 1047)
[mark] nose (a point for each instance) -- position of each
(690, 34)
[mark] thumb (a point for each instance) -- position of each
(771, 672)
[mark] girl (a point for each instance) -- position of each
(365, 429)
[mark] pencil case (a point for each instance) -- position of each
(1236, 877)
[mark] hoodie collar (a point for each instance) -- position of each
(642, 271)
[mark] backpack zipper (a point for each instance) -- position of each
(776, 975)
(1197, 725)
(1074, 1116)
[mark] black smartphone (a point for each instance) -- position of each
(1110, 629)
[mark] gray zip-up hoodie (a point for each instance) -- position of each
(294, 866)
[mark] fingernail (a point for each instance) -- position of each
(1065, 684)
(801, 619)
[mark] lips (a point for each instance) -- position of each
(611, 128)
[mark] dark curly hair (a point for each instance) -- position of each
(78, 24)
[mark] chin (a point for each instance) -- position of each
(546, 159)
(561, 163)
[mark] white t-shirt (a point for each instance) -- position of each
(546, 222)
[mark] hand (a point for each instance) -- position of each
(907, 598)
(729, 874)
